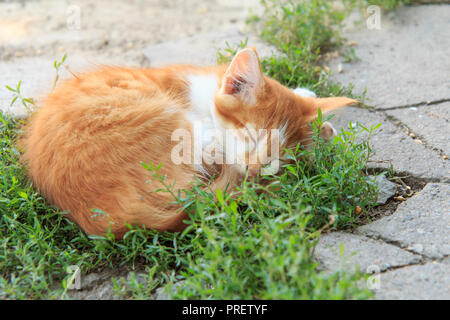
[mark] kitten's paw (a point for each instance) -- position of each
(304, 92)
(327, 131)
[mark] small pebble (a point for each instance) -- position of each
(399, 198)
(445, 157)
(418, 141)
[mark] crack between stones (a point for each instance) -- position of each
(399, 124)
(407, 175)
(405, 106)
(402, 267)
(425, 3)
(426, 103)
(423, 258)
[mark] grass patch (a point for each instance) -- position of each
(256, 245)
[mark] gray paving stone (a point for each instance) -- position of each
(393, 145)
(406, 61)
(102, 291)
(37, 76)
(428, 121)
(166, 292)
(202, 49)
(446, 260)
(421, 224)
(386, 189)
(370, 255)
(424, 282)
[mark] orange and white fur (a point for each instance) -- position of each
(83, 147)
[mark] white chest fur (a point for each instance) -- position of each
(202, 89)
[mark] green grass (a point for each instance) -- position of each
(256, 245)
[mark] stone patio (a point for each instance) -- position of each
(405, 67)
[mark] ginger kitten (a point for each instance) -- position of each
(83, 147)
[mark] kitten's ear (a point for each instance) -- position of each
(325, 104)
(334, 102)
(244, 77)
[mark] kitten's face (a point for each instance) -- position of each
(265, 116)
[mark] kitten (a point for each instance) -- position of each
(83, 147)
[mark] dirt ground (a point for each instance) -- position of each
(109, 31)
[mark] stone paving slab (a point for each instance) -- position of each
(446, 260)
(424, 282)
(386, 188)
(369, 254)
(37, 75)
(394, 144)
(405, 62)
(432, 122)
(421, 224)
(112, 28)
(202, 49)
